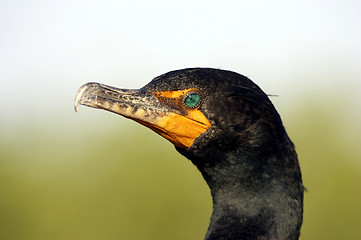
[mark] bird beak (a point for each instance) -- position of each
(179, 127)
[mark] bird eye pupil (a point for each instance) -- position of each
(192, 100)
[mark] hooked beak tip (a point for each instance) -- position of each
(80, 94)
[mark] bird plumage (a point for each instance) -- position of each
(241, 148)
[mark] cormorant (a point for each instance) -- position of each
(227, 126)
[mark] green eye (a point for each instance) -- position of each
(192, 100)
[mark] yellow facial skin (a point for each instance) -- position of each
(181, 127)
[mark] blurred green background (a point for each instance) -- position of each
(95, 175)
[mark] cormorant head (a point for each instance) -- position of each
(202, 111)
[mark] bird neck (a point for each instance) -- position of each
(254, 197)
(256, 201)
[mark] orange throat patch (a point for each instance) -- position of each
(179, 129)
